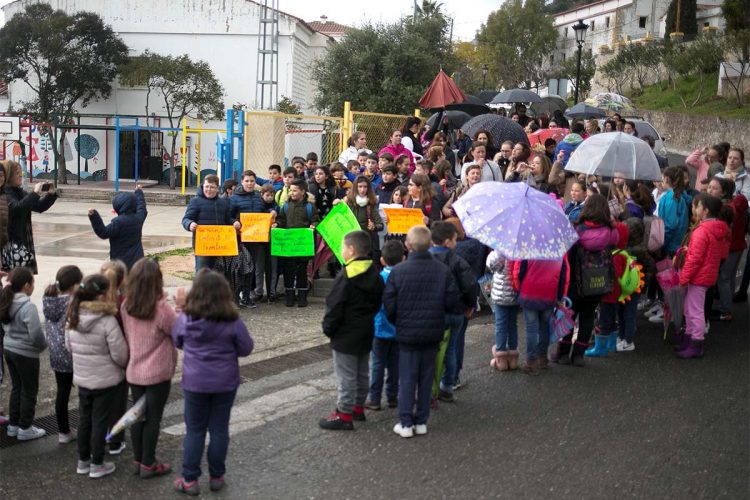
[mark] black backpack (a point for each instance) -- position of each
(594, 272)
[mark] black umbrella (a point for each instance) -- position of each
(455, 118)
(583, 110)
(549, 105)
(469, 108)
(516, 95)
(487, 95)
(500, 128)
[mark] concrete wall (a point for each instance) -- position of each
(685, 133)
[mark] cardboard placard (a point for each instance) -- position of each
(256, 228)
(339, 222)
(216, 241)
(400, 220)
(292, 242)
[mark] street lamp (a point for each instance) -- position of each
(580, 28)
(485, 68)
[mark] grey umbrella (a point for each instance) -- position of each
(516, 95)
(583, 110)
(487, 95)
(549, 105)
(500, 128)
(455, 118)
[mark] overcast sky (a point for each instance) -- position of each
(467, 15)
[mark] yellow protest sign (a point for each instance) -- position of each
(215, 241)
(400, 220)
(256, 228)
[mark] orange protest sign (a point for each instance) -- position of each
(215, 241)
(256, 228)
(400, 220)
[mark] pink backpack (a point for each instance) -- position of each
(654, 228)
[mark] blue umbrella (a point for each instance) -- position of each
(516, 220)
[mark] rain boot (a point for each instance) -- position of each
(683, 341)
(693, 350)
(600, 347)
(290, 292)
(576, 358)
(612, 342)
(562, 356)
(301, 298)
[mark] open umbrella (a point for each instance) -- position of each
(549, 105)
(441, 92)
(486, 96)
(500, 128)
(610, 101)
(472, 105)
(516, 95)
(516, 220)
(541, 135)
(583, 110)
(455, 119)
(613, 153)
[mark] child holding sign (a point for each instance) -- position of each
(363, 203)
(297, 212)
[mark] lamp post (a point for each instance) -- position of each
(580, 28)
(485, 68)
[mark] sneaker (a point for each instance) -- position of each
(336, 422)
(458, 384)
(446, 396)
(420, 429)
(248, 303)
(708, 326)
(645, 305)
(359, 416)
(4, 420)
(620, 341)
(371, 405)
(656, 308)
(725, 317)
(404, 432)
(117, 448)
(271, 298)
(626, 346)
(31, 433)
(157, 469)
(65, 438)
(216, 483)
(136, 468)
(393, 403)
(191, 488)
(83, 467)
(12, 431)
(102, 470)
(657, 318)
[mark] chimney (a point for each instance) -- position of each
(323, 19)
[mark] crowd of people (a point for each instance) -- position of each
(400, 303)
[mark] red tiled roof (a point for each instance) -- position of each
(328, 27)
(3, 88)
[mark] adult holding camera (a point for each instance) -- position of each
(19, 251)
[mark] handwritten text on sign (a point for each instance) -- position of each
(292, 242)
(400, 220)
(215, 241)
(256, 228)
(339, 222)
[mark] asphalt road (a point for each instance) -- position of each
(634, 425)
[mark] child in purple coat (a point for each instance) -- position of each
(212, 337)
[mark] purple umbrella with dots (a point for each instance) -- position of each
(516, 220)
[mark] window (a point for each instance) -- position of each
(606, 22)
(642, 21)
(593, 24)
(706, 25)
(566, 32)
(563, 56)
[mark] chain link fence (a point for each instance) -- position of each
(377, 126)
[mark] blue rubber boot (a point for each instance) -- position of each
(600, 347)
(612, 342)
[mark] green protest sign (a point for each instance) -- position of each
(339, 222)
(292, 242)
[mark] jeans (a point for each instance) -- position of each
(64, 385)
(24, 376)
(145, 434)
(745, 276)
(726, 281)
(626, 313)
(416, 369)
(455, 322)
(461, 346)
(695, 323)
(206, 412)
(258, 253)
(95, 406)
(207, 262)
(384, 357)
(353, 373)
(607, 318)
(537, 332)
(295, 273)
(506, 327)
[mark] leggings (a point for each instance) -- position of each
(64, 385)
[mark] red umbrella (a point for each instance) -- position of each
(441, 92)
(541, 135)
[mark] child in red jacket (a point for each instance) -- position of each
(709, 244)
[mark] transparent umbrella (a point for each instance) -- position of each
(615, 153)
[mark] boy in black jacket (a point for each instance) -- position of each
(351, 306)
(124, 231)
(444, 237)
(417, 295)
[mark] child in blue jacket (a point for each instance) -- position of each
(124, 231)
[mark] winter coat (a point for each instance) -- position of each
(245, 203)
(20, 206)
(409, 139)
(540, 283)
(324, 197)
(503, 293)
(366, 214)
(349, 154)
(384, 329)
(573, 210)
(741, 182)
(100, 353)
(385, 191)
(24, 335)
(697, 160)
(207, 211)
(594, 238)
(739, 207)
(3, 223)
(355, 298)
(211, 351)
(474, 253)
(462, 275)
(54, 310)
(431, 210)
(153, 357)
(294, 214)
(676, 215)
(569, 144)
(708, 245)
(417, 295)
(399, 150)
(124, 231)
(490, 171)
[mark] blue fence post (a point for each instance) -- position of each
(240, 143)
(229, 160)
(117, 154)
(136, 144)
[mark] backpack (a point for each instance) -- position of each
(654, 228)
(631, 280)
(308, 206)
(594, 272)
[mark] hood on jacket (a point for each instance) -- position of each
(595, 238)
(573, 138)
(19, 300)
(201, 194)
(124, 203)
(718, 229)
(357, 267)
(55, 307)
(91, 311)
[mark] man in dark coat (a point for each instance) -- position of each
(124, 232)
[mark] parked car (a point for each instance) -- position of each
(645, 128)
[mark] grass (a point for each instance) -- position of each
(662, 97)
(179, 252)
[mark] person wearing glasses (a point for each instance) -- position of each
(502, 158)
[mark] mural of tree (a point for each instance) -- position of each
(87, 147)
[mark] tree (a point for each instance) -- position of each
(470, 58)
(695, 60)
(187, 89)
(519, 36)
(688, 23)
(568, 68)
(616, 74)
(428, 9)
(737, 15)
(736, 44)
(67, 62)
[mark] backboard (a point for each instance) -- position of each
(10, 128)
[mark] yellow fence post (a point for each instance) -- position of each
(346, 126)
(184, 152)
(245, 161)
(418, 113)
(198, 152)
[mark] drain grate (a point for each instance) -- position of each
(48, 423)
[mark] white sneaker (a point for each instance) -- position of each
(102, 470)
(404, 432)
(31, 433)
(83, 467)
(620, 342)
(626, 346)
(118, 450)
(644, 305)
(420, 429)
(708, 326)
(657, 318)
(655, 309)
(12, 431)
(67, 438)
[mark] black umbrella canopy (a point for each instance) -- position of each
(500, 128)
(486, 96)
(549, 105)
(471, 108)
(516, 95)
(455, 119)
(583, 110)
